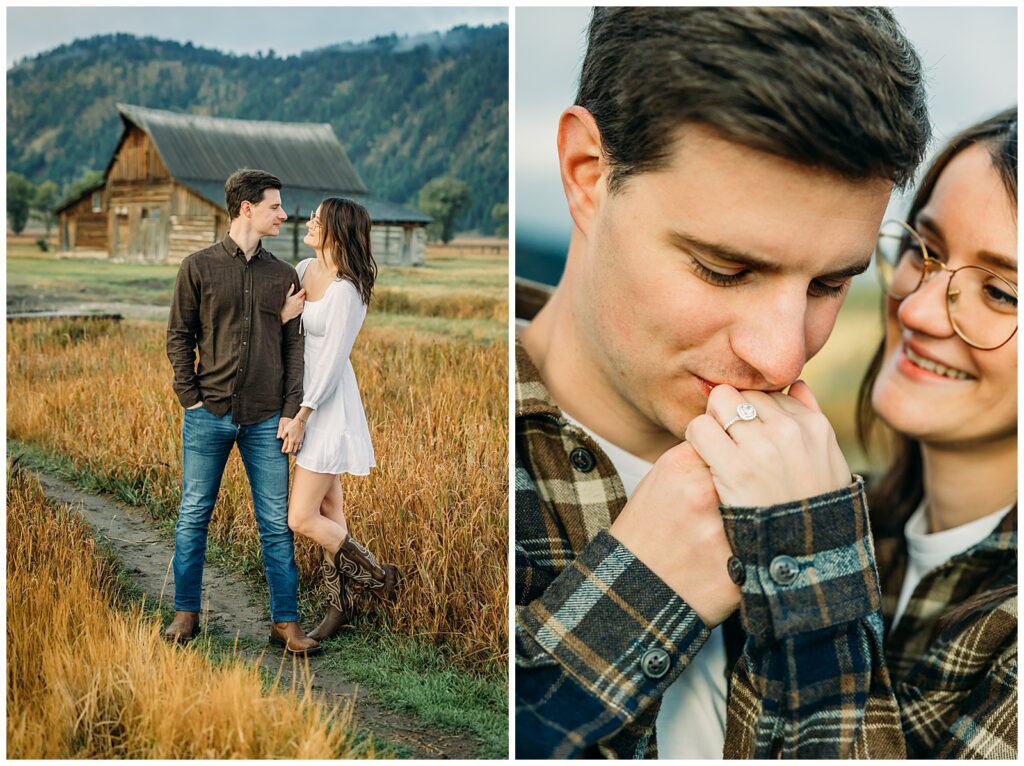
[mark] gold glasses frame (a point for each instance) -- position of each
(933, 266)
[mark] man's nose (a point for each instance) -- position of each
(772, 338)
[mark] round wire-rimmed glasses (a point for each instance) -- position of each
(314, 220)
(980, 304)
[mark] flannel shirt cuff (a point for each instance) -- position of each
(807, 565)
(603, 620)
(190, 398)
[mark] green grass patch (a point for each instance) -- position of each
(417, 678)
(439, 329)
(458, 296)
(44, 283)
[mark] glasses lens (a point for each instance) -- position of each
(899, 258)
(982, 307)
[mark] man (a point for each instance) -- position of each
(726, 171)
(245, 390)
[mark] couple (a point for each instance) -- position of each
(276, 385)
(697, 572)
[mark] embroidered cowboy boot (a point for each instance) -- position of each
(340, 605)
(355, 561)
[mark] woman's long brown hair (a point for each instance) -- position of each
(899, 490)
(345, 239)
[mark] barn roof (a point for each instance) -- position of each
(200, 152)
(201, 148)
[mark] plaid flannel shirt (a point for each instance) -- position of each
(812, 680)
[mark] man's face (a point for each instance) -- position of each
(729, 266)
(268, 214)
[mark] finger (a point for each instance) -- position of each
(722, 406)
(768, 409)
(802, 393)
(291, 289)
(710, 442)
(301, 293)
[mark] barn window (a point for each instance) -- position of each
(97, 202)
(155, 214)
(144, 214)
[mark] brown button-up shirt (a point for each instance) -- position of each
(229, 309)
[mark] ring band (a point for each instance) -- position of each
(745, 411)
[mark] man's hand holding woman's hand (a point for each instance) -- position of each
(788, 452)
(673, 525)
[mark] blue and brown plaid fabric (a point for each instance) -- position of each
(813, 678)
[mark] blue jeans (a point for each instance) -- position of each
(206, 443)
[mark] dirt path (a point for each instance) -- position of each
(232, 609)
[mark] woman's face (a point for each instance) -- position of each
(972, 397)
(313, 231)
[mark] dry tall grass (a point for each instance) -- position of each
(450, 305)
(436, 505)
(85, 680)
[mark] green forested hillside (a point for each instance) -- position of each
(405, 112)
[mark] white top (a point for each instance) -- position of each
(337, 438)
(927, 552)
(691, 722)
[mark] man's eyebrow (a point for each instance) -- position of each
(985, 256)
(688, 241)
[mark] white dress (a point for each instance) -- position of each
(337, 438)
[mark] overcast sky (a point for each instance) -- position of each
(970, 58)
(240, 29)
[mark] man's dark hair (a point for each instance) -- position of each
(247, 185)
(837, 88)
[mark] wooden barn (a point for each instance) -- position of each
(162, 194)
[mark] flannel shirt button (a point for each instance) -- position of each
(655, 663)
(737, 572)
(783, 570)
(583, 459)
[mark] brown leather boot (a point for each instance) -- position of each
(340, 606)
(183, 627)
(290, 636)
(354, 560)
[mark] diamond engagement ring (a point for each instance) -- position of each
(744, 411)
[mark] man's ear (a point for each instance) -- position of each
(581, 161)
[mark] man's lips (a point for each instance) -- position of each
(705, 384)
(708, 385)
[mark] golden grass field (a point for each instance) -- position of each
(88, 676)
(99, 394)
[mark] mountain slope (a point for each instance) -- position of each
(405, 109)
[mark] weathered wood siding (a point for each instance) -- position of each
(195, 223)
(84, 229)
(139, 190)
(399, 245)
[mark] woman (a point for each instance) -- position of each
(930, 671)
(330, 430)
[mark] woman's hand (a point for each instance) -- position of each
(292, 430)
(293, 304)
(788, 452)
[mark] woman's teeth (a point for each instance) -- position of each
(938, 369)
